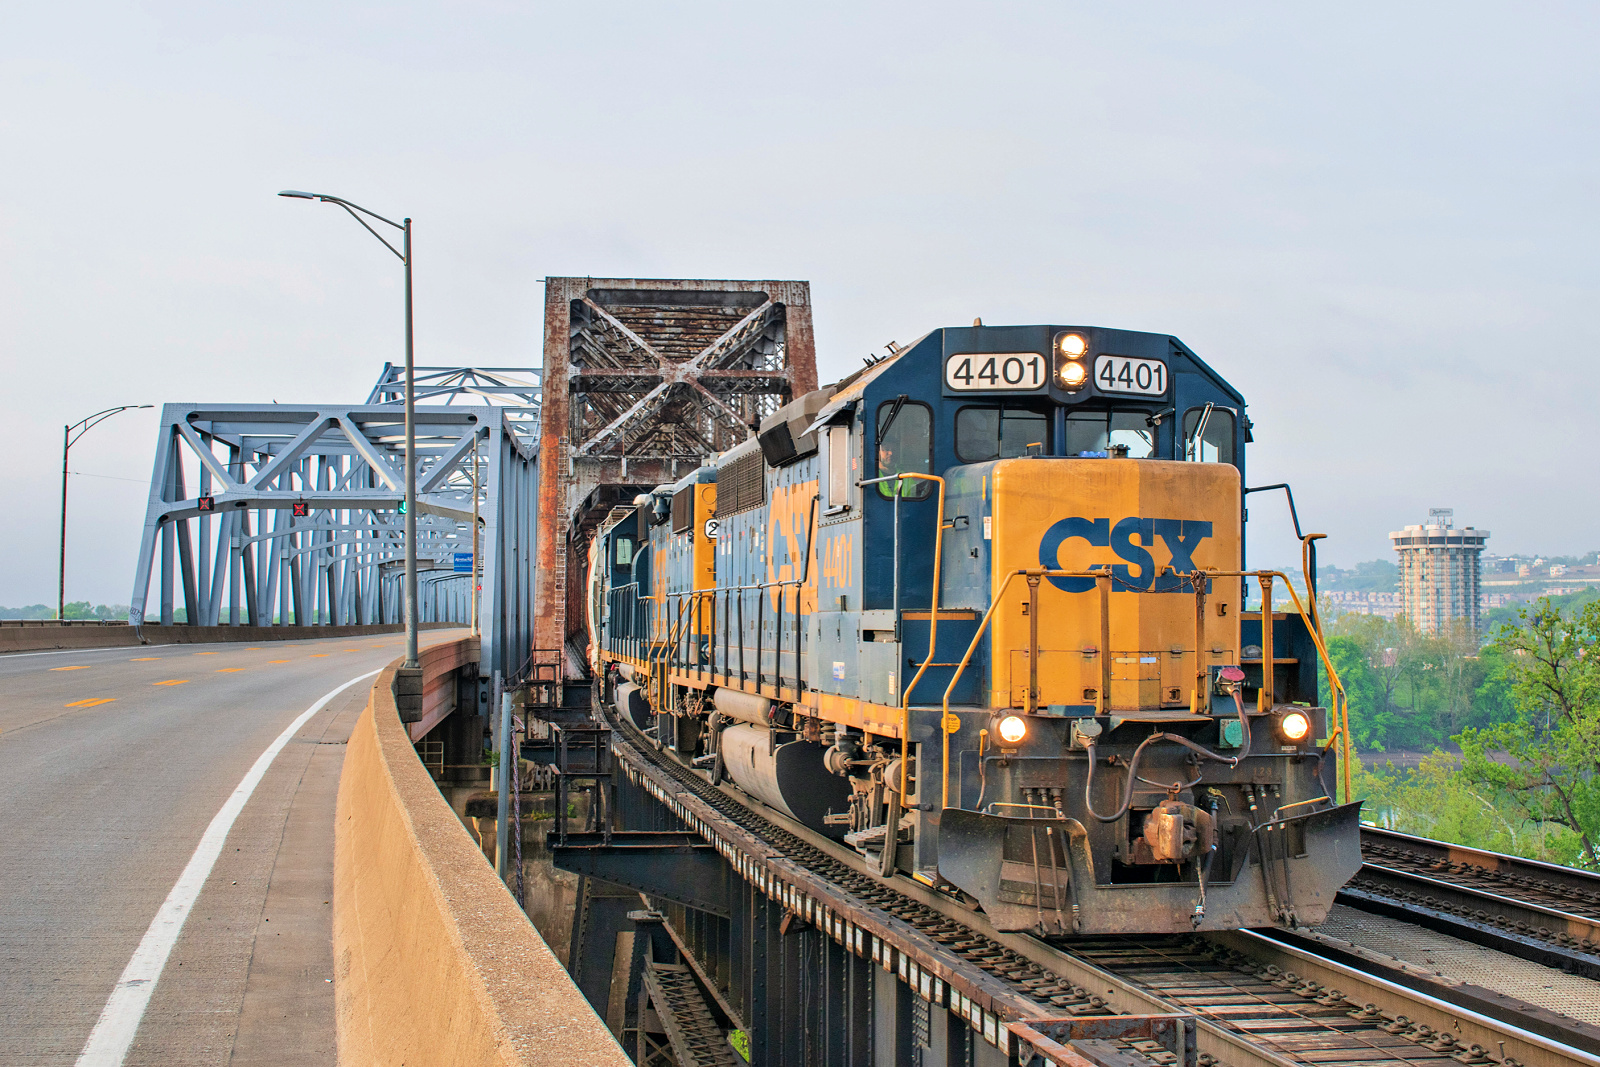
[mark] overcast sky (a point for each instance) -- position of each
(1377, 220)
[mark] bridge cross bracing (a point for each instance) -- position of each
(304, 524)
(644, 381)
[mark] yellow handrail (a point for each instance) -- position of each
(1341, 707)
(972, 647)
(933, 629)
(1341, 701)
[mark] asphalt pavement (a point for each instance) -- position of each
(113, 764)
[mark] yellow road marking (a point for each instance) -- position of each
(319, 655)
(91, 702)
(252, 650)
(83, 668)
(172, 681)
(228, 670)
(141, 659)
(205, 653)
(277, 661)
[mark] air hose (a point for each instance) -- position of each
(1133, 763)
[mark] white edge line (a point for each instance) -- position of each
(119, 1020)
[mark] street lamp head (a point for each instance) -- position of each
(297, 194)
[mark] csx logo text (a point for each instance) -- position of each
(1181, 536)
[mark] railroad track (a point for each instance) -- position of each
(1524, 907)
(1261, 1000)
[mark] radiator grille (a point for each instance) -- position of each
(741, 485)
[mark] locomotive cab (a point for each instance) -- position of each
(980, 611)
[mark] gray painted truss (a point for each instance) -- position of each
(289, 514)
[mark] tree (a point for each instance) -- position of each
(1371, 661)
(1544, 765)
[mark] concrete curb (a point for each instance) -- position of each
(54, 635)
(434, 962)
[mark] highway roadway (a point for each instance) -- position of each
(114, 765)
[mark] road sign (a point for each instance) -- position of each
(463, 562)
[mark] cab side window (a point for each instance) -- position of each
(905, 446)
(1208, 435)
(839, 478)
(984, 434)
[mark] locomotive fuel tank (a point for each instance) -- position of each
(786, 775)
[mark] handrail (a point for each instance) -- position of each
(1341, 703)
(933, 620)
(994, 605)
(716, 591)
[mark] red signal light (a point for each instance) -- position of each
(207, 503)
(300, 509)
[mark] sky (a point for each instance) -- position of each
(1377, 220)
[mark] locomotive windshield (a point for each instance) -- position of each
(985, 433)
(1097, 432)
(1208, 435)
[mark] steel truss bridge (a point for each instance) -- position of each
(706, 932)
(291, 514)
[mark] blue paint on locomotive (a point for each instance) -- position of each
(845, 638)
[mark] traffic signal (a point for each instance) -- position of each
(402, 507)
(208, 503)
(300, 509)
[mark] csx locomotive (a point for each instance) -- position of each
(978, 612)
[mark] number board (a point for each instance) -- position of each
(1120, 374)
(980, 372)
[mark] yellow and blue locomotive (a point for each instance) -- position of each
(978, 612)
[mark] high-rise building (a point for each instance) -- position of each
(1439, 571)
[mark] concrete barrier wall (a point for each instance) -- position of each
(434, 961)
(49, 634)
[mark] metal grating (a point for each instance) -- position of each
(741, 484)
(683, 510)
(692, 1031)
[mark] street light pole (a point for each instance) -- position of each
(67, 441)
(404, 252)
(411, 473)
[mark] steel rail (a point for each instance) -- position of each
(1530, 909)
(1018, 975)
(1537, 882)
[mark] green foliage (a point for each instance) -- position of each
(1438, 799)
(1408, 689)
(1527, 778)
(1510, 614)
(76, 609)
(32, 611)
(1545, 762)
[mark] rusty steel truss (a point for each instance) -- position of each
(644, 380)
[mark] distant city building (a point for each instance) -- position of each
(1439, 571)
(1386, 605)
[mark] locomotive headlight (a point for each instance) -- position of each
(1072, 374)
(1013, 728)
(1072, 345)
(1294, 726)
